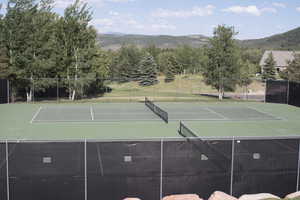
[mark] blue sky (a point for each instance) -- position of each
(251, 18)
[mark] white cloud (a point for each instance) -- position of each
(97, 3)
(62, 3)
(298, 9)
(103, 22)
(124, 22)
(195, 11)
(113, 13)
(279, 5)
(270, 10)
(158, 27)
(252, 10)
(120, 1)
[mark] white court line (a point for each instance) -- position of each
(268, 114)
(92, 113)
(214, 112)
(36, 114)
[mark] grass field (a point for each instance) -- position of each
(184, 87)
(15, 124)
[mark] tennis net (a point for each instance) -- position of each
(184, 131)
(199, 143)
(157, 110)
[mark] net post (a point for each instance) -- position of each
(232, 163)
(161, 167)
(298, 167)
(7, 174)
(85, 171)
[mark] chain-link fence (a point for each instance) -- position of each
(285, 92)
(183, 88)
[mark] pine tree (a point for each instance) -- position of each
(171, 67)
(293, 69)
(170, 72)
(269, 68)
(148, 71)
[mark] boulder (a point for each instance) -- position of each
(130, 198)
(221, 196)
(293, 195)
(182, 197)
(260, 196)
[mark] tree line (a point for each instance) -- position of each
(37, 43)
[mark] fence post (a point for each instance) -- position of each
(33, 93)
(288, 92)
(7, 174)
(8, 93)
(232, 163)
(57, 89)
(266, 84)
(85, 171)
(161, 167)
(297, 187)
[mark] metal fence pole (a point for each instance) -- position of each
(266, 84)
(33, 92)
(8, 93)
(232, 163)
(85, 171)
(288, 92)
(297, 187)
(57, 90)
(7, 174)
(161, 167)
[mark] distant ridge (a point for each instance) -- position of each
(115, 41)
(288, 41)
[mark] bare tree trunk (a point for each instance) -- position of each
(30, 92)
(221, 94)
(76, 77)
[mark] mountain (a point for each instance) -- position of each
(287, 40)
(113, 41)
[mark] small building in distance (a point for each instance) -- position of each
(282, 58)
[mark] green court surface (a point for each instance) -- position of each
(134, 121)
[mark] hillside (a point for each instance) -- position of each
(287, 40)
(113, 41)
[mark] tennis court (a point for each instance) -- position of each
(113, 150)
(148, 111)
(94, 113)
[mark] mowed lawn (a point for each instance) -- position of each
(184, 87)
